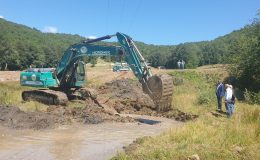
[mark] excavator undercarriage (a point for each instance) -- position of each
(46, 96)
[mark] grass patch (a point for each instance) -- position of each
(10, 94)
(210, 137)
(196, 94)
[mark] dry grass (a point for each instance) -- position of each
(210, 137)
(10, 94)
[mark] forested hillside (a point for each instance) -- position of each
(21, 46)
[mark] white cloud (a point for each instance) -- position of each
(91, 37)
(2, 17)
(50, 29)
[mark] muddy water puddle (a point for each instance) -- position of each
(99, 141)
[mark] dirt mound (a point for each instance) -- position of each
(126, 96)
(179, 115)
(91, 113)
(15, 118)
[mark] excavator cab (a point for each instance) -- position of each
(79, 80)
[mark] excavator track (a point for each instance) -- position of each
(46, 96)
(161, 87)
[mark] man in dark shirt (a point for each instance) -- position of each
(220, 92)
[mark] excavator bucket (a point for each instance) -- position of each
(160, 90)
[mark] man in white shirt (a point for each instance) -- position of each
(228, 100)
(182, 64)
(229, 92)
(179, 64)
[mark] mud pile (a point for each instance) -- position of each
(92, 113)
(15, 118)
(126, 97)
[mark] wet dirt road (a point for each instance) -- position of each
(99, 141)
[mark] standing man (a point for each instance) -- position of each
(179, 64)
(220, 92)
(229, 100)
(182, 64)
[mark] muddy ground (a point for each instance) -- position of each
(118, 97)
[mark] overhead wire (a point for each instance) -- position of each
(135, 14)
(107, 16)
(122, 13)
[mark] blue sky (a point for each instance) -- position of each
(150, 21)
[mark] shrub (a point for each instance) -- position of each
(204, 98)
(252, 97)
(177, 80)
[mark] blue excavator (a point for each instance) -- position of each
(68, 79)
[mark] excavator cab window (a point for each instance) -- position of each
(80, 75)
